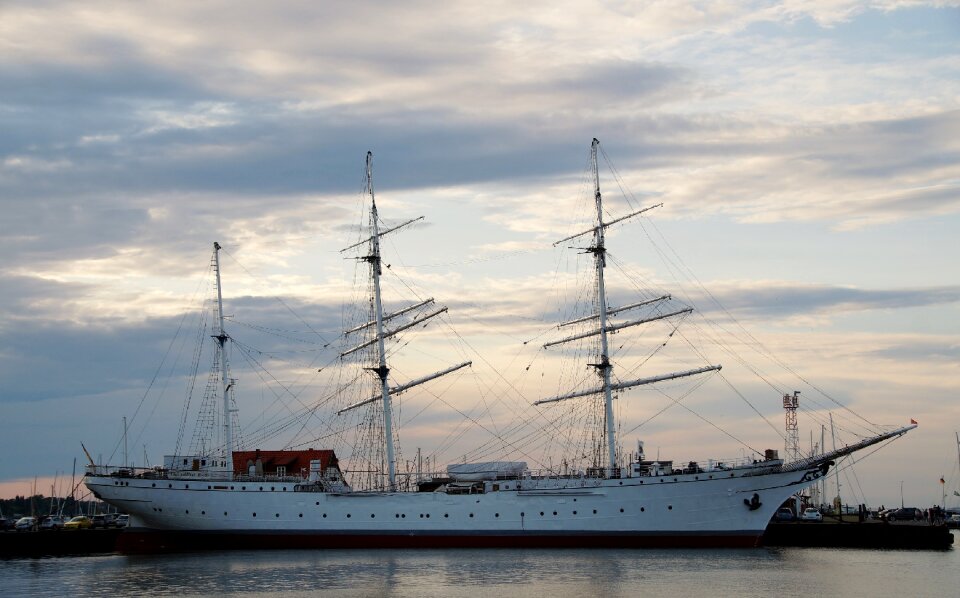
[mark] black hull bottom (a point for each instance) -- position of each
(138, 541)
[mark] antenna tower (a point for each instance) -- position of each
(791, 446)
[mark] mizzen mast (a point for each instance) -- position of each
(222, 338)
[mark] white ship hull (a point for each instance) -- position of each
(724, 508)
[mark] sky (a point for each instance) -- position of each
(807, 155)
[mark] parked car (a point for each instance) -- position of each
(123, 520)
(98, 521)
(811, 514)
(901, 514)
(6, 524)
(26, 524)
(79, 522)
(54, 522)
(784, 514)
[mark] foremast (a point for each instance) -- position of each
(600, 261)
(603, 365)
(222, 337)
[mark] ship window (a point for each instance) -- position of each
(277, 515)
(621, 510)
(348, 515)
(231, 487)
(254, 514)
(669, 507)
(541, 513)
(372, 515)
(403, 516)
(203, 462)
(595, 511)
(554, 512)
(243, 487)
(186, 486)
(224, 513)
(471, 514)
(188, 511)
(641, 510)
(574, 512)
(428, 515)
(522, 513)
(324, 515)
(261, 488)
(318, 503)
(397, 515)
(271, 488)
(496, 514)
(153, 485)
(301, 514)
(446, 514)
(203, 512)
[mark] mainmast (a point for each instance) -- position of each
(382, 370)
(604, 367)
(222, 339)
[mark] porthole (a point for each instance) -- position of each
(642, 509)
(318, 503)
(397, 515)
(496, 514)
(674, 479)
(403, 515)
(324, 515)
(621, 510)
(271, 488)
(594, 511)
(372, 516)
(277, 515)
(254, 514)
(187, 512)
(348, 515)
(208, 487)
(187, 486)
(169, 485)
(421, 515)
(621, 483)
(153, 485)
(231, 487)
(446, 514)
(669, 507)
(574, 512)
(243, 487)
(471, 514)
(521, 513)
(541, 513)
(203, 512)
(428, 515)
(224, 513)
(261, 488)
(554, 512)
(301, 515)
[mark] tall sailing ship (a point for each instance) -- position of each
(221, 496)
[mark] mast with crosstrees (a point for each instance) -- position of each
(603, 366)
(222, 338)
(382, 370)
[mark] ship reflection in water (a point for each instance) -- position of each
(513, 573)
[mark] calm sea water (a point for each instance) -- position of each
(781, 572)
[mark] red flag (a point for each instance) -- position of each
(913, 421)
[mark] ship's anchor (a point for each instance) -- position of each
(753, 503)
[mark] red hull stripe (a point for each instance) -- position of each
(138, 541)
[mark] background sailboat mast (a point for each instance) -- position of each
(224, 368)
(382, 370)
(599, 256)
